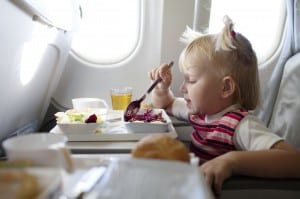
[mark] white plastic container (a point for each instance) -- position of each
(83, 103)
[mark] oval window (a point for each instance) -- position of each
(262, 22)
(109, 31)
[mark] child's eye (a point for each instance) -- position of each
(191, 81)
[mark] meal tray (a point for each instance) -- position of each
(116, 130)
(148, 179)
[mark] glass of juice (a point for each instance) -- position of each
(120, 97)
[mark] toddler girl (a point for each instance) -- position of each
(220, 87)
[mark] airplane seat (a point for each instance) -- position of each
(286, 111)
(285, 123)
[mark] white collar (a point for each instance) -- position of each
(217, 116)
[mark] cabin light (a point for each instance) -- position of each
(33, 51)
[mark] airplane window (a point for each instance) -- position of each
(262, 22)
(109, 30)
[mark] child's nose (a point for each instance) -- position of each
(182, 88)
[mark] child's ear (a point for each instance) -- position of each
(229, 87)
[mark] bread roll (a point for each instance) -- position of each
(15, 183)
(161, 146)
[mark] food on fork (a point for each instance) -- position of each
(146, 106)
(16, 183)
(161, 146)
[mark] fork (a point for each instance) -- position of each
(134, 106)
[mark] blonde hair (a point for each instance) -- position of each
(230, 54)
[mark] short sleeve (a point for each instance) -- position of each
(252, 135)
(179, 109)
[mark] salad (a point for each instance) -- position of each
(147, 115)
(74, 116)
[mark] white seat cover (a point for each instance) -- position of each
(285, 120)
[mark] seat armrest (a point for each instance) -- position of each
(243, 182)
(260, 188)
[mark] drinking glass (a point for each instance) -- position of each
(120, 97)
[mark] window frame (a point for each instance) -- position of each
(202, 24)
(126, 58)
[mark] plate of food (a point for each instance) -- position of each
(149, 120)
(113, 128)
(78, 121)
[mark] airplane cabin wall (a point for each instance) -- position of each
(177, 15)
(163, 23)
(62, 76)
(25, 99)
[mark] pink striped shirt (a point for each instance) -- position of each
(210, 140)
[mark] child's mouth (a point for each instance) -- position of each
(188, 103)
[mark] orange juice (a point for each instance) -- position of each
(120, 97)
(120, 101)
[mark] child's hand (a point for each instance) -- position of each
(164, 72)
(162, 96)
(216, 171)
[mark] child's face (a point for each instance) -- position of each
(202, 86)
